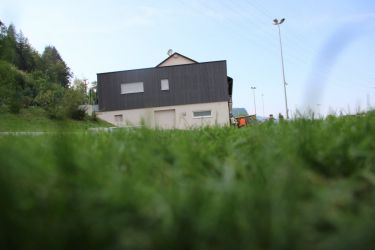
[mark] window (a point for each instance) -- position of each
(164, 84)
(119, 118)
(134, 87)
(202, 114)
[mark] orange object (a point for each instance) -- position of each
(242, 122)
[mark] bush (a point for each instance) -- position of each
(94, 117)
(78, 114)
(73, 98)
(50, 98)
(60, 102)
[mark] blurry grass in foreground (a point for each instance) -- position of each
(295, 185)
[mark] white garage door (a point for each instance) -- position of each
(165, 119)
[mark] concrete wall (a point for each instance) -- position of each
(183, 116)
(89, 108)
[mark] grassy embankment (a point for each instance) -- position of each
(297, 185)
(36, 120)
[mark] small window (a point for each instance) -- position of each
(119, 118)
(164, 84)
(134, 87)
(202, 114)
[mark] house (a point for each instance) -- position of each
(239, 112)
(178, 93)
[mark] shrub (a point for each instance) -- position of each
(50, 98)
(72, 99)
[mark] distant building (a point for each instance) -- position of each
(178, 93)
(239, 112)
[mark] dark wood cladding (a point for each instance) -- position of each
(188, 84)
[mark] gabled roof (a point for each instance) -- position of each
(239, 112)
(178, 54)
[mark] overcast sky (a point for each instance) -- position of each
(328, 45)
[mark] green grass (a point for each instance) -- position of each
(36, 120)
(294, 185)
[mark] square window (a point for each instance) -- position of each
(202, 114)
(119, 118)
(164, 84)
(134, 87)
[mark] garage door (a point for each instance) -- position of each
(165, 119)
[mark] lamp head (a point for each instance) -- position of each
(275, 21)
(282, 20)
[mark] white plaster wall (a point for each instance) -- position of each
(176, 60)
(89, 108)
(184, 116)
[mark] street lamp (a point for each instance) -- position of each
(277, 22)
(255, 105)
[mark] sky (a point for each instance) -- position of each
(328, 46)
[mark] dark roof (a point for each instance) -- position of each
(239, 112)
(175, 53)
(178, 65)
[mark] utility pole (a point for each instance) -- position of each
(278, 23)
(86, 88)
(255, 105)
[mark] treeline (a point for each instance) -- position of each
(30, 79)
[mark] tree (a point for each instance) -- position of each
(74, 97)
(12, 85)
(3, 30)
(3, 34)
(8, 49)
(50, 96)
(27, 56)
(81, 86)
(55, 68)
(28, 78)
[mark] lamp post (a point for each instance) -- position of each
(255, 105)
(278, 23)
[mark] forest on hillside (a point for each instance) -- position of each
(30, 79)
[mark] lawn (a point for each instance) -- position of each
(302, 184)
(36, 120)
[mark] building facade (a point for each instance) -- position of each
(178, 93)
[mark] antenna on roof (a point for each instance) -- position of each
(170, 52)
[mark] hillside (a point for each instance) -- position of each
(36, 120)
(30, 79)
